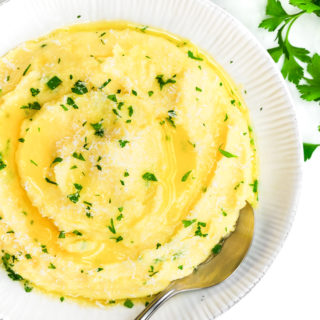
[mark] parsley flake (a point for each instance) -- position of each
(79, 88)
(185, 176)
(163, 82)
(227, 154)
(54, 82)
(192, 56)
(34, 92)
(148, 176)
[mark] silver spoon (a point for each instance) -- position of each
(213, 270)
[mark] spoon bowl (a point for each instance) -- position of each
(216, 268)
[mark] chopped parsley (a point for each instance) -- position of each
(99, 269)
(223, 213)
(74, 197)
(78, 156)
(134, 92)
(21, 140)
(120, 217)
(105, 84)
(118, 239)
(198, 231)
(56, 160)
(123, 143)
(64, 107)
(254, 186)
(62, 235)
(79, 88)
(192, 56)
(112, 97)
(130, 111)
(152, 272)
(77, 233)
(180, 267)
(126, 174)
(28, 256)
(187, 223)
(99, 131)
(34, 92)
(2, 164)
(34, 163)
(185, 176)
(8, 265)
(227, 154)
(170, 120)
(26, 70)
(128, 303)
(61, 299)
(71, 103)
(26, 286)
(111, 227)
(150, 93)
(54, 82)
(163, 82)
(198, 89)
(158, 245)
(217, 248)
(226, 117)
(50, 181)
(51, 266)
(148, 176)
(32, 106)
(44, 248)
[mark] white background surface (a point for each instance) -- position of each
(290, 289)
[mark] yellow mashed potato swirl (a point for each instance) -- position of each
(125, 156)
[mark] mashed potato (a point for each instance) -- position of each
(125, 156)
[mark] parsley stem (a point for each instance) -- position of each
(291, 23)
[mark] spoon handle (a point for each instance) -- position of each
(156, 303)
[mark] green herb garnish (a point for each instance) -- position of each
(77, 233)
(163, 82)
(128, 303)
(123, 143)
(54, 82)
(34, 92)
(187, 223)
(192, 56)
(227, 154)
(105, 84)
(111, 227)
(26, 70)
(79, 88)
(112, 97)
(50, 181)
(71, 103)
(78, 156)
(148, 176)
(185, 176)
(33, 106)
(99, 131)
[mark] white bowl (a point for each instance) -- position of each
(276, 129)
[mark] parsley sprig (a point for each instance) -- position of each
(296, 60)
